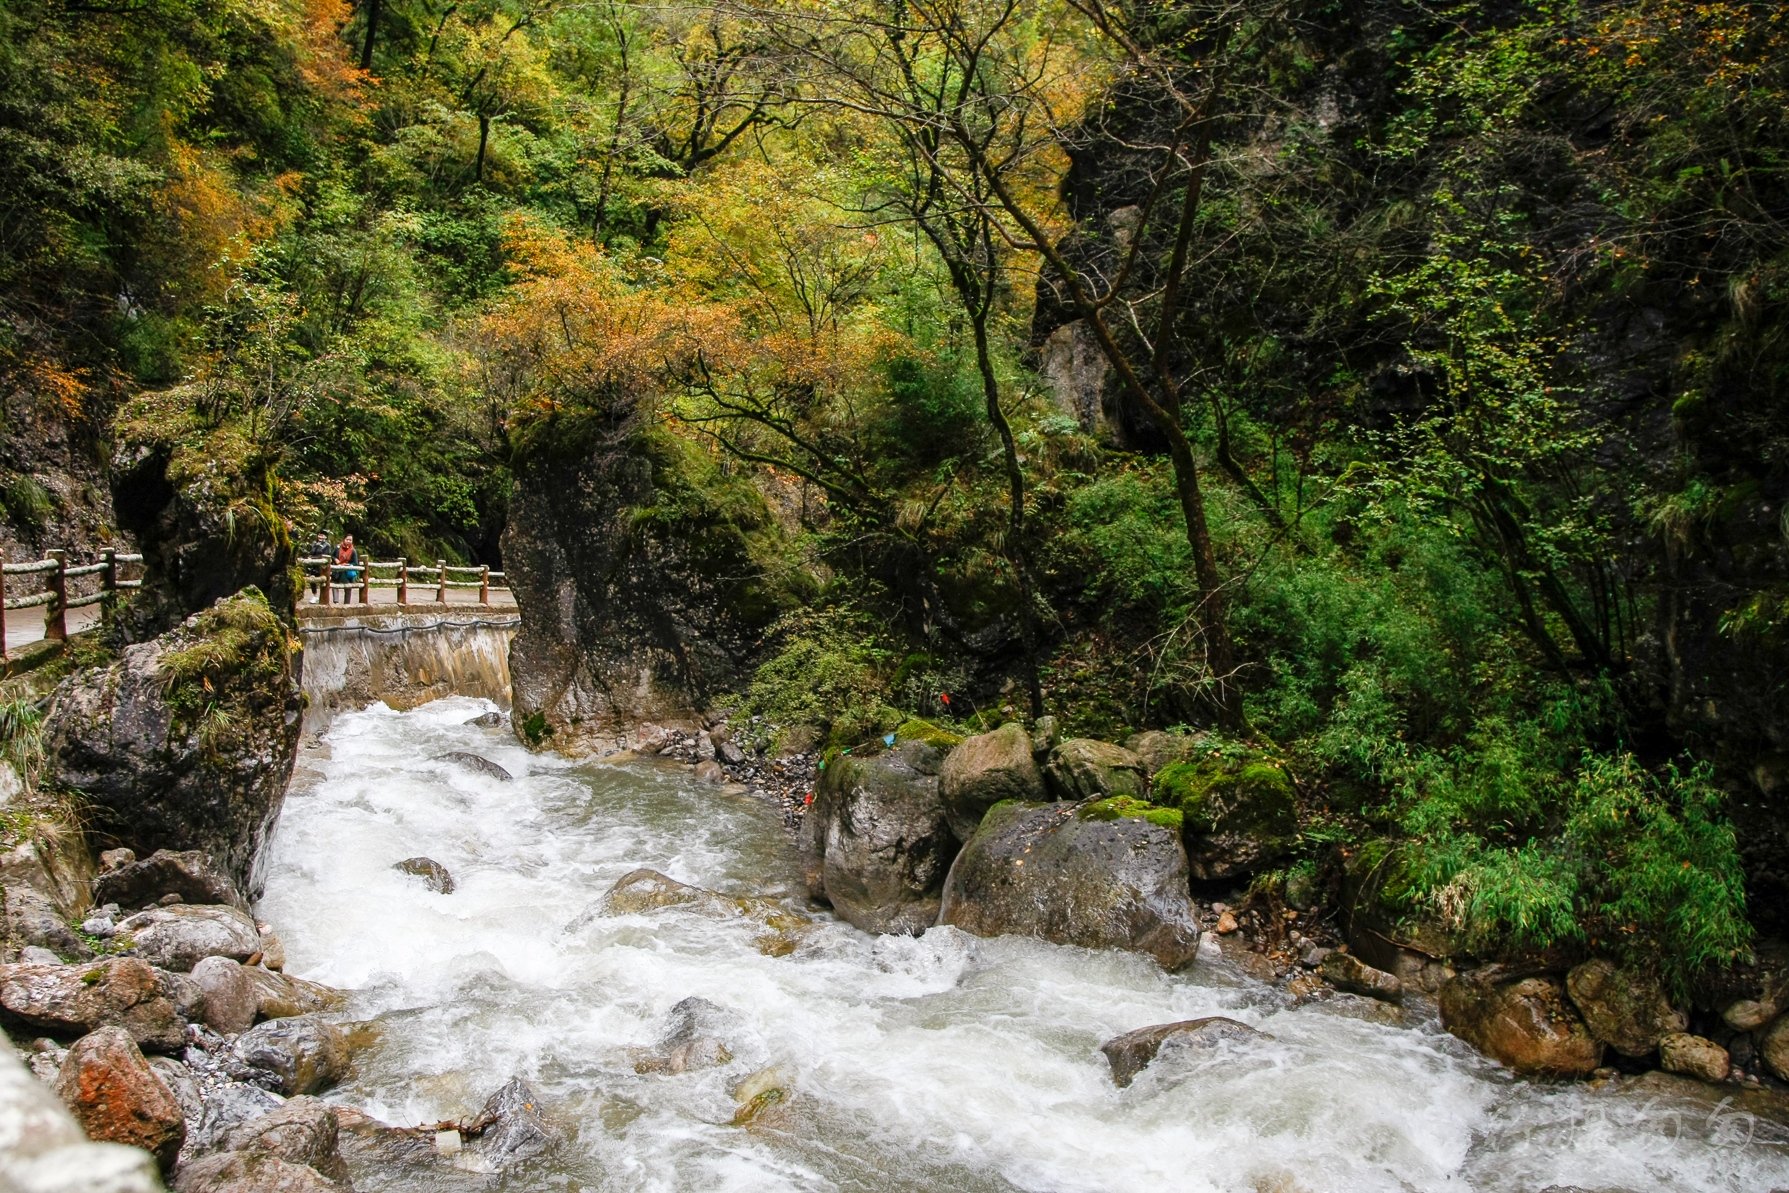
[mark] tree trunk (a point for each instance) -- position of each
(372, 27)
(484, 139)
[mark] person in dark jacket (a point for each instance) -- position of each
(319, 549)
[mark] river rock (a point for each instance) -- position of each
(43, 1150)
(644, 890)
(1158, 749)
(520, 1133)
(1773, 1046)
(303, 1131)
(184, 1086)
(710, 771)
(251, 1172)
(432, 872)
(180, 936)
(155, 779)
(1347, 972)
(298, 1055)
(875, 842)
(33, 920)
(1529, 1025)
(1130, 1053)
(1693, 1056)
(984, 770)
(1238, 814)
(1750, 1014)
(187, 995)
(273, 949)
(1622, 1009)
(226, 1107)
(1084, 769)
(230, 995)
(694, 1038)
(122, 992)
(474, 762)
(486, 720)
(117, 1098)
(1044, 870)
(189, 874)
(280, 996)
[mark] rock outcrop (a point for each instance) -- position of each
(187, 741)
(180, 936)
(1528, 1024)
(1046, 870)
(875, 844)
(70, 999)
(117, 1098)
(1622, 1009)
(984, 770)
(1132, 1052)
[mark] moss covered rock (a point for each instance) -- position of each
(1239, 814)
(984, 770)
(1083, 769)
(1158, 749)
(930, 732)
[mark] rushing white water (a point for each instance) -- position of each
(937, 1063)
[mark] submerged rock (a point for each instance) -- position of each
(1130, 1053)
(1624, 1010)
(299, 1055)
(486, 720)
(1347, 972)
(189, 874)
(180, 936)
(875, 843)
(123, 992)
(694, 1038)
(117, 1098)
(984, 770)
(474, 762)
(430, 871)
(1046, 871)
(1084, 769)
(1528, 1025)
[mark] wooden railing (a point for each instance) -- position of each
(433, 577)
(55, 599)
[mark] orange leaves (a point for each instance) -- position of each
(323, 60)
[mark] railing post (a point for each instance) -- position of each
(484, 586)
(55, 614)
(441, 576)
(108, 584)
(328, 577)
(403, 580)
(366, 582)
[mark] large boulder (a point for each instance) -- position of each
(518, 1131)
(1693, 1056)
(280, 996)
(875, 842)
(181, 936)
(230, 995)
(985, 770)
(67, 999)
(1623, 1009)
(187, 741)
(1528, 1024)
(1084, 769)
(189, 874)
(117, 1098)
(1073, 877)
(300, 1055)
(1349, 973)
(1239, 814)
(1130, 1053)
(303, 1131)
(1158, 749)
(43, 1149)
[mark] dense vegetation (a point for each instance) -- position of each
(1441, 348)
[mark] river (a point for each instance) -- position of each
(942, 1062)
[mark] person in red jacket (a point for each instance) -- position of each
(344, 556)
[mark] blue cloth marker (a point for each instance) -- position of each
(889, 740)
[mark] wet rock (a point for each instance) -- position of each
(520, 1133)
(1043, 870)
(984, 770)
(273, 949)
(693, 1039)
(189, 874)
(181, 936)
(184, 1086)
(647, 890)
(1130, 1053)
(280, 996)
(123, 992)
(302, 1131)
(299, 1055)
(762, 1096)
(1313, 956)
(875, 843)
(230, 995)
(33, 920)
(226, 1107)
(1239, 814)
(1773, 1046)
(1084, 769)
(430, 871)
(155, 780)
(474, 762)
(117, 1098)
(710, 771)
(1622, 1009)
(251, 1172)
(1529, 1025)
(43, 1150)
(486, 720)
(1693, 1056)
(1347, 972)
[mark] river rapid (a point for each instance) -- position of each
(942, 1062)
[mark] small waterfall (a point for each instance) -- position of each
(404, 660)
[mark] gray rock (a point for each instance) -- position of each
(181, 936)
(186, 994)
(473, 762)
(36, 954)
(984, 770)
(1084, 769)
(184, 1086)
(1132, 1052)
(1314, 955)
(704, 748)
(875, 843)
(1624, 1010)
(227, 1106)
(230, 995)
(33, 920)
(299, 1055)
(1157, 749)
(486, 720)
(731, 753)
(521, 1131)
(1347, 972)
(189, 874)
(694, 1038)
(155, 781)
(303, 1131)
(251, 1172)
(70, 999)
(43, 1150)
(1045, 736)
(1044, 870)
(430, 871)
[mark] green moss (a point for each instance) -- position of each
(536, 729)
(1223, 794)
(1124, 807)
(930, 733)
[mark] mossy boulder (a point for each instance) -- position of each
(1387, 921)
(984, 770)
(1123, 806)
(1239, 814)
(1083, 769)
(1159, 749)
(930, 732)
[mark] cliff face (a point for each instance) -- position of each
(640, 595)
